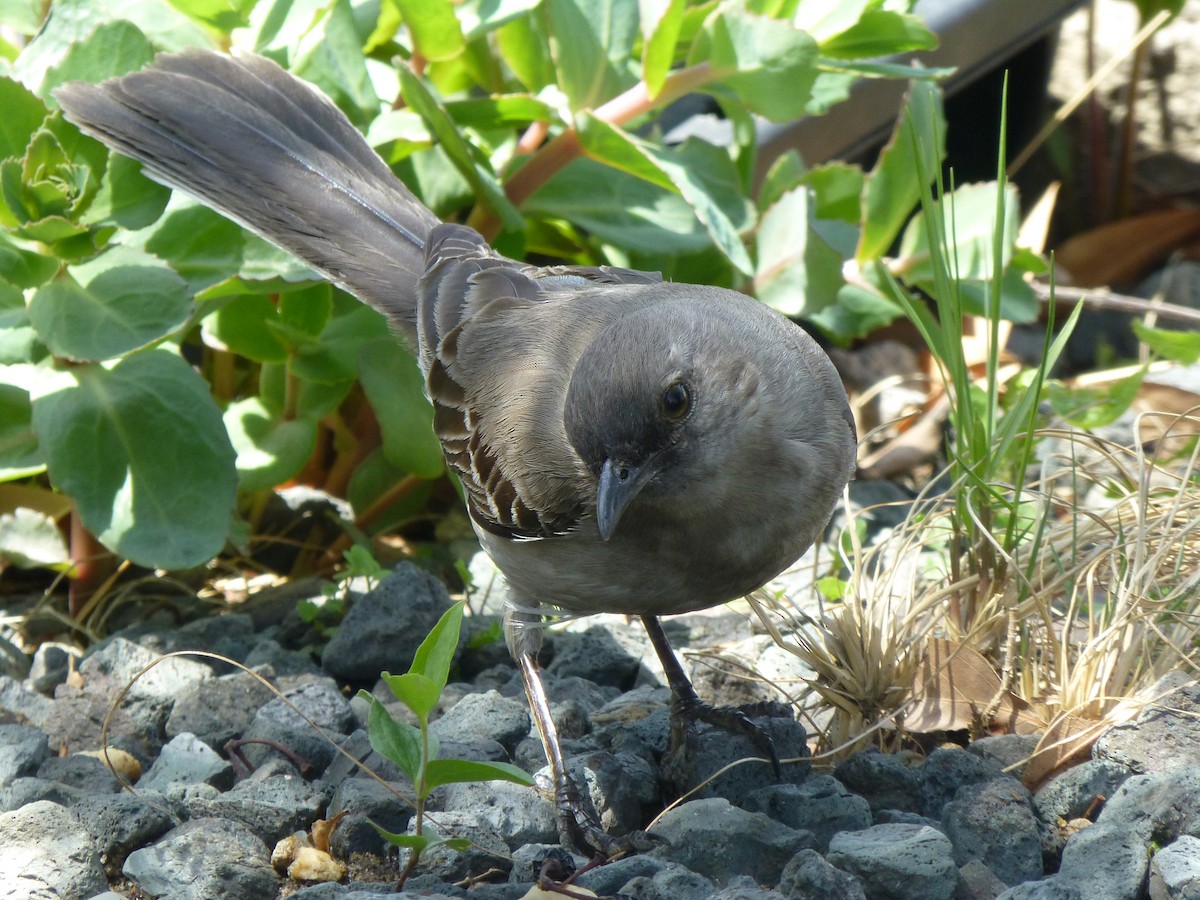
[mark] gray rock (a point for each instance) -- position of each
(1165, 737)
(1011, 752)
(719, 840)
(271, 808)
(808, 876)
(883, 780)
(743, 888)
(26, 706)
(1046, 889)
(51, 663)
(977, 882)
(672, 882)
(47, 854)
(219, 709)
(945, 771)
(1175, 870)
(202, 859)
(620, 789)
(269, 652)
(87, 773)
(14, 662)
(821, 805)
(320, 701)
(897, 862)
(530, 860)
(23, 791)
(76, 720)
(121, 823)
(229, 634)
(517, 813)
(485, 715)
(994, 823)
(1157, 808)
(365, 800)
(636, 722)
(118, 662)
(382, 629)
(1105, 862)
(1075, 791)
(22, 751)
(900, 817)
(707, 750)
(612, 877)
(186, 759)
(597, 655)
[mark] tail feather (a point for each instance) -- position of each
(270, 152)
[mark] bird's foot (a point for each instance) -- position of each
(687, 710)
(579, 828)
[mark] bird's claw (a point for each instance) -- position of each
(728, 718)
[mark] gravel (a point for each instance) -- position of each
(229, 770)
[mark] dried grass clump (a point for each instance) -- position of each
(1065, 633)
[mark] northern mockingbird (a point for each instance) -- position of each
(625, 445)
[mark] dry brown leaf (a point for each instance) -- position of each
(1067, 739)
(1123, 251)
(322, 829)
(120, 760)
(1036, 224)
(954, 686)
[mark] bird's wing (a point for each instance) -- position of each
(498, 342)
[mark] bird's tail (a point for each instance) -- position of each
(270, 152)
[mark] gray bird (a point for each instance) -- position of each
(626, 445)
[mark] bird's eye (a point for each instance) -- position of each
(676, 400)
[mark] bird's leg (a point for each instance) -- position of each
(578, 827)
(686, 706)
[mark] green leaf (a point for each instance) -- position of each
(478, 17)
(661, 21)
(113, 48)
(19, 451)
(1148, 9)
(629, 212)
(824, 19)
(394, 386)
(333, 357)
(500, 111)
(1177, 346)
(118, 310)
(856, 313)
(1093, 407)
(893, 187)
(23, 113)
(525, 47)
(837, 190)
(800, 257)
(240, 325)
(142, 450)
(396, 741)
(456, 771)
(204, 247)
(24, 268)
(416, 692)
(591, 41)
(461, 153)
(970, 211)
(880, 33)
(415, 842)
(127, 197)
(436, 653)
(702, 174)
(270, 450)
(434, 27)
(770, 65)
(222, 15)
(311, 399)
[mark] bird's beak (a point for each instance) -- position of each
(619, 484)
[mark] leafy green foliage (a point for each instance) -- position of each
(413, 748)
(165, 369)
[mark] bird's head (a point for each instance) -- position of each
(650, 405)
